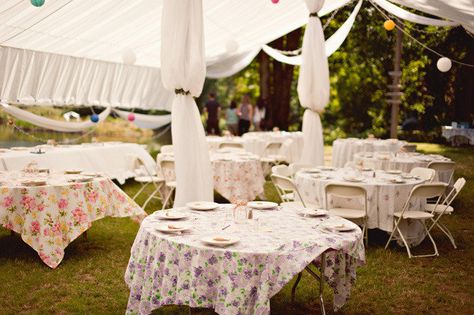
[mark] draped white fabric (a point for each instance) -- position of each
(51, 124)
(331, 45)
(183, 67)
(313, 86)
(231, 65)
(412, 17)
(37, 78)
(145, 121)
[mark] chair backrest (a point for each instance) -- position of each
(430, 190)
(167, 169)
(231, 145)
(443, 166)
(167, 149)
(346, 190)
(409, 148)
(284, 184)
(424, 173)
(281, 170)
(457, 187)
(295, 167)
(272, 148)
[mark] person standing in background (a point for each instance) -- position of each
(259, 115)
(232, 120)
(213, 110)
(245, 113)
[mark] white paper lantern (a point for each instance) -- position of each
(231, 46)
(129, 57)
(444, 64)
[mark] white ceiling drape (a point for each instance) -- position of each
(183, 71)
(313, 86)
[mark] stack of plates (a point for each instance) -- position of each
(202, 205)
(262, 205)
(171, 215)
(220, 240)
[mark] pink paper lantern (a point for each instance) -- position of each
(275, 1)
(131, 117)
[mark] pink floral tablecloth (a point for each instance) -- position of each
(238, 176)
(383, 197)
(50, 217)
(169, 269)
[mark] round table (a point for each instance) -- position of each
(167, 269)
(343, 150)
(402, 161)
(51, 216)
(238, 176)
(292, 143)
(383, 197)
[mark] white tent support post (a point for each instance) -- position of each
(184, 71)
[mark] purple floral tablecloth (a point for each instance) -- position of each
(50, 217)
(167, 269)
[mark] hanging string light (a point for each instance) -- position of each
(37, 3)
(275, 1)
(95, 118)
(389, 25)
(444, 64)
(131, 117)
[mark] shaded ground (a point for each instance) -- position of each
(90, 278)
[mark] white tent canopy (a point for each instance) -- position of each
(72, 52)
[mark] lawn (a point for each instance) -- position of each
(90, 278)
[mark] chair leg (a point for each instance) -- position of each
(321, 283)
(153, 194)
(167, 198)
(140, 191)
(446, 231)
(293, 289)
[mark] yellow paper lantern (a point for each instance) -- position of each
(389, 25)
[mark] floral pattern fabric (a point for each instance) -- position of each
(383, 198)
(50, 217)
(179, 269)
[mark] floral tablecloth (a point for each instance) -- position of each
(169, 269)
(383, 198)
(50, 217)
(238, 176)
(343, 150)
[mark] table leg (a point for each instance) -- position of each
(84, 235)
(321, 283)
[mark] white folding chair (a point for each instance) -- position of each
(427, 174)
(443, 166)
(353, 214)
(167, 149)
(282, 170)
(444, 207)
(231, 145)
(271, 153)
(295, 167)
(168, 171)
(409, 148)
(285, 186)
(288, 194)
(424, 191)
(150, 177)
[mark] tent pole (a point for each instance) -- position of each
(395, 88)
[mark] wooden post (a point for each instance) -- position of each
(395, 93)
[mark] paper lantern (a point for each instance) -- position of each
(131, 117)
(37, 3)
(231, 46)
(444, 64)
(275, 1)
(129, 57)
(95, 118)
(389, 25)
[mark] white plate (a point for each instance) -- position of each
(72, 171)
(202, 205)
(91, 174)
(80, 180)
(393, 171)
(262, 205)
(171, 215)
(220, 240)
(317, 176)
(33, 183)
(172, 227)
(398, 181)
(407, 176)
(353, 179)
(311, 170)
(338, 227)
(19, 148)
(314, 212)
(326, 168)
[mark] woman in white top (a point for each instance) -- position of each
(259, 115)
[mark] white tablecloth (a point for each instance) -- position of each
(169, 269)
(343, 150)
(384, 197)
(256, 142)
(238, 176)
(50, 217)
(449, 132)
(112, 159)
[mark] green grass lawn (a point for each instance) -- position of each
(90, 278)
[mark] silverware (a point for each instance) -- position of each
(225, 227)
